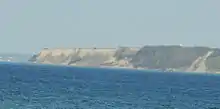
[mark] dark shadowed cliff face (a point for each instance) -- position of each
(167, 56)
(124, 52)
(176, 57)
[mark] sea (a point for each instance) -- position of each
(35, 86)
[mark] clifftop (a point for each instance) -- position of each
(178, 58)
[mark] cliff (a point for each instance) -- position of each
(172, 58)
(86, 56)
(178, 58)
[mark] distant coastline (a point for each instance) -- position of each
(166, 58)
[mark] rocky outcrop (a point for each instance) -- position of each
(165, 58)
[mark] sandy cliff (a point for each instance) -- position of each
(86, 56)
(172, 58)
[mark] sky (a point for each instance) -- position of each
(27, 26)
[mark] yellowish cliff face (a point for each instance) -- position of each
(77, 51)
(86, 56)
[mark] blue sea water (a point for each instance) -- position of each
(30, 86)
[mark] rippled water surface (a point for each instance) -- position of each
(25, 86)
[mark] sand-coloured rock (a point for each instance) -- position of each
(86, 56)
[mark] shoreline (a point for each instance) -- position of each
(102, 67)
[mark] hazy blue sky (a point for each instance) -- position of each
(26, 26)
